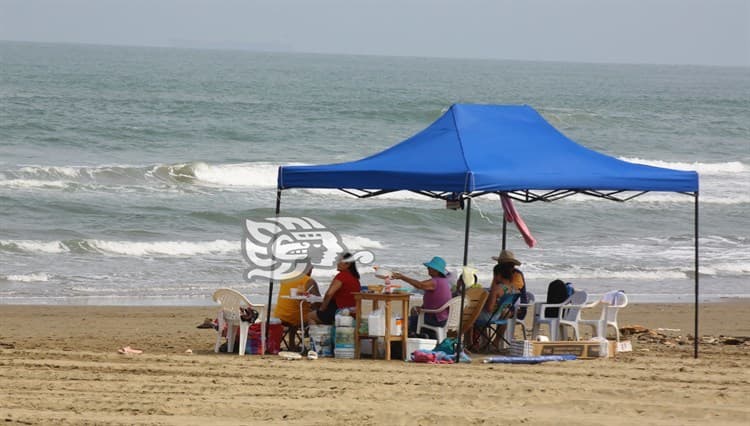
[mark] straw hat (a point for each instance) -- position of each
(506, 256)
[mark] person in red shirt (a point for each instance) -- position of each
(339, 293)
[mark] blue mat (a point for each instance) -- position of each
(527, 359)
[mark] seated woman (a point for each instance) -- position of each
(287, 310)
(509, 276)
(437, 292)
(506, 278)
(339, 293)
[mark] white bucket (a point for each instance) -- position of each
(320, 340)
(344, 321)
(346, 353)
(344, 338)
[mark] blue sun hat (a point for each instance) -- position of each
(437, 263)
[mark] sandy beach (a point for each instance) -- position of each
(60, 366)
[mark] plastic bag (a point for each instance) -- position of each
(448, 346)
(376, 323)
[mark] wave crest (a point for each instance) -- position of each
(123, 248)
(26, 278)
(730, 167)
(157, 177)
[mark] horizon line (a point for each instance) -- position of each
(215, 45)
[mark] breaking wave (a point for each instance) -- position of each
(26, 278)
(731, 167)
(123, 248)
(721, 183)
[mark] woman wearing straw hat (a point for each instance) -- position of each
(437, 292)
(506, 278)
(509, 277)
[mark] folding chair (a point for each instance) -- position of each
(501, 318)
(291, 339)
(475, 299)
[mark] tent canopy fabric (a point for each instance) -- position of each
(488, 148)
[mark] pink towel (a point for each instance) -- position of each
(511, 215)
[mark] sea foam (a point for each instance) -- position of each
(27, 278)
(32, 246)
(730, 167)
(124, 248)
(166, 248)
(257, 175)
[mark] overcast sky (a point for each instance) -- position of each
(709, 32)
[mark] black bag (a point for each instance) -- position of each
(557, 292)
(248, 314)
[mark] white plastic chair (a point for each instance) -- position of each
(454, 316)
(571, 314)
(510, 331)
(231, 301)
(540, 318)
(612, 305)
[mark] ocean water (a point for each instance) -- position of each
(126, 173)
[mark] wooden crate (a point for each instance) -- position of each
(581, 349)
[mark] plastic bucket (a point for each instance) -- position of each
(344, 337)
(346, 353)
(320, 339)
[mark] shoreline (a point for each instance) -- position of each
(60, 365)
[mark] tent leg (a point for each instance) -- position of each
(505, 231)
(459, 345)
(505, 222)
(270, 281)
(696, 336)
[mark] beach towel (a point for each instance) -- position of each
(527, 359)
(511, 215)
(431, 357)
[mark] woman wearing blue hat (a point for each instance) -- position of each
(437, 292)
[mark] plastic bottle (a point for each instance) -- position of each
(397, 328)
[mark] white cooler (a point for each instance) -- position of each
(413, 344)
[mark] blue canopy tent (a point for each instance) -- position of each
(474, 150)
